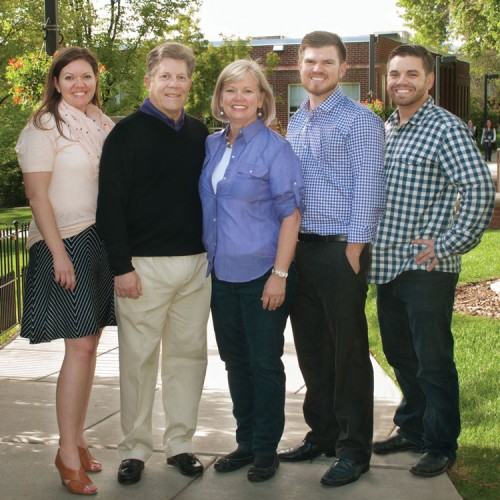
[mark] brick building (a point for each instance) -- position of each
(361, 77)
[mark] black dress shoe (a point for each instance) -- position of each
(305, 451)
(187, 463)
(394, 444)
(234, 461)
(263, 468)
(130, 471)
(432, 464)
(343, 471)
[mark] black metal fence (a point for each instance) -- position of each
(13, 261)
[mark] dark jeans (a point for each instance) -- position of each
(487, 148)
(414, 312)
(250, 342)
(331, 338)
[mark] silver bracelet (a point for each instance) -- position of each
(279, 273)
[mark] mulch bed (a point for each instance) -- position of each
(478, 299)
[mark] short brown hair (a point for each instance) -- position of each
(237, 71)
(319, 39)
(170, 50)
(415, 51)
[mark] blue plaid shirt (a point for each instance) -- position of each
(340, 145)
(431, 163)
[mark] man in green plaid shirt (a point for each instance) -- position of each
(440, 199)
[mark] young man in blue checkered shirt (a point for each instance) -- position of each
(440, 199)
(340, 144)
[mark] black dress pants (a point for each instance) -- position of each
(331, 339)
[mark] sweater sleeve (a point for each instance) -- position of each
(115, 186)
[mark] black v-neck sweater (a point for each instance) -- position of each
(148, 202)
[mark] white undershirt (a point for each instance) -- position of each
(220, 169)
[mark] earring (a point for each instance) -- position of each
(221, 113)
(259, 113)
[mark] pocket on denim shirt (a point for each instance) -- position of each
(251, 182)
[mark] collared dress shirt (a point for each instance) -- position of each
(262, 185)
(149, 108)
(340, 144)
(438, 187)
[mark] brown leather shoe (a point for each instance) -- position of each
(76, 481)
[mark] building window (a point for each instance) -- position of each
(351, 90)
(297, 94)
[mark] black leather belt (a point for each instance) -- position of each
(319, 238)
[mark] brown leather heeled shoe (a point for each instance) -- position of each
(89, 463)
(76, 481)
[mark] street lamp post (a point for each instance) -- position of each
(50, 27)
(486, 78)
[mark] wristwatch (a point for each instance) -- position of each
(279, 273)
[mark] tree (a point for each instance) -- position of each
(474, 23)
(121, 33)
(20, 32)
(487, 63)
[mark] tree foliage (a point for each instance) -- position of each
(474, 23)
(121, 33)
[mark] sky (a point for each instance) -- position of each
(295, 18)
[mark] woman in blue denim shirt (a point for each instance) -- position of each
(251, 191)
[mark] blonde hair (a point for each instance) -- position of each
(237, 71)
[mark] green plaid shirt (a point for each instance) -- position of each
(438, 187)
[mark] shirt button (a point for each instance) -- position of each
(233, 157)
(251, 171)
(215, 219)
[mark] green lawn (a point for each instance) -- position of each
(9, 215)
(477, 347)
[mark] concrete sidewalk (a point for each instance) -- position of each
(28, 437)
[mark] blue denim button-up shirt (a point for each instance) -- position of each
(262, 185)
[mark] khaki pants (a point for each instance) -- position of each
(172, 312)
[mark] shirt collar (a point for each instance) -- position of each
(417, 118)
(248, 132)
(328, 104)
(148, 108)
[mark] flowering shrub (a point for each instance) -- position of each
(376, 106)
(26, 76)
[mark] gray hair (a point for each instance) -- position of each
(170, 50)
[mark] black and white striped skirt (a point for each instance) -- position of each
(50, 311)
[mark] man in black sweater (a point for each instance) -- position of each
(149, 215)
